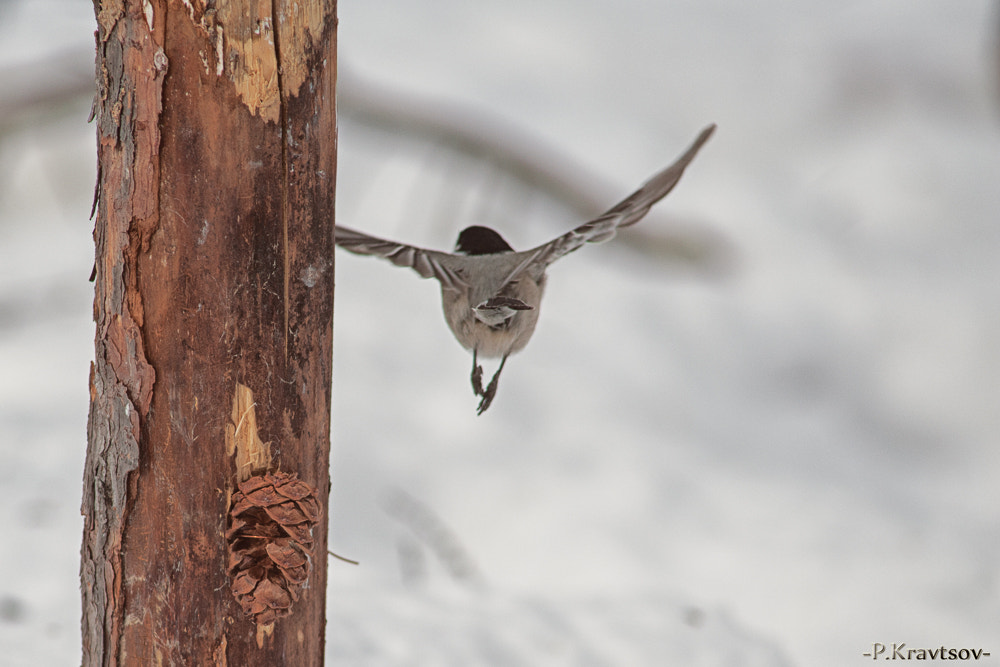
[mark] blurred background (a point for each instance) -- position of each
(760, 428)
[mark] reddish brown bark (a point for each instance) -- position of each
(217, 156)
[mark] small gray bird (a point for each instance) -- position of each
(491, 294)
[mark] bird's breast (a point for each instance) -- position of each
(494, 341)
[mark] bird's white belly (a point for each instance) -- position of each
(489, 341)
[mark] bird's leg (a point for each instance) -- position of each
(491, 389)
(477, 376)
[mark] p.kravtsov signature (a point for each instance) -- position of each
(900, 651)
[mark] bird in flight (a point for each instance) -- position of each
(491, 293)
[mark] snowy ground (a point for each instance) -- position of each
(781, 466)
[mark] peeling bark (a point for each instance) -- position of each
(214, 240)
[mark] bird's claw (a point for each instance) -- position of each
(491, 388)
(491, 391)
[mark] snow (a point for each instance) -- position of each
(781, 465)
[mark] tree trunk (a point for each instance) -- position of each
(214, 309)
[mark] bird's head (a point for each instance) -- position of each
(478, 240)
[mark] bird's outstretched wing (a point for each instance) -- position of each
(428, 263)
(627, 212)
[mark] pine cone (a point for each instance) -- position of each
(271, 518)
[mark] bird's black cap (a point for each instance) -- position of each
(478, 240)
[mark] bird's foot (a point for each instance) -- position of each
(491, 391)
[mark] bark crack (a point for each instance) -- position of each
(283, 124)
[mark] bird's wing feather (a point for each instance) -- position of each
(447, 268)
(428, 263)
(627, 212)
